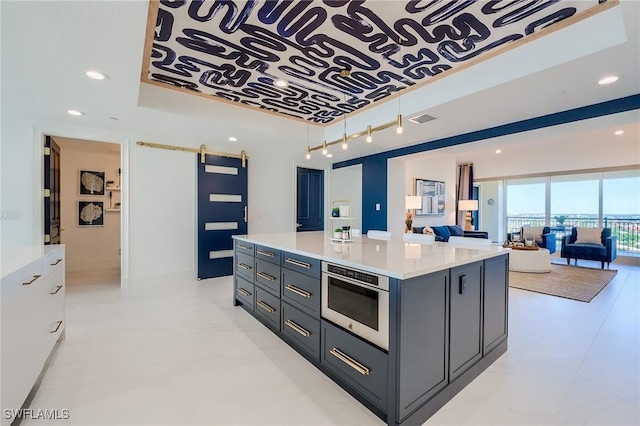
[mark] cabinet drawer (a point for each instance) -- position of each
(302, 291)
(268, 307)
(268, 254)
(244, 291)
(362, 366)
(243, 247)
(244, 265)
(303, 264)
(268, 276)
(303, 330)
(52, 261)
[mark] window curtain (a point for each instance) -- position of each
(464, 189)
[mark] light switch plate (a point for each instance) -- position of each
(377, 206)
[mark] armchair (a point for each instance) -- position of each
(542, 235)
(581, 244)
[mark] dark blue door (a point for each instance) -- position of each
(310, 195)
(222, 212)
(51, 191)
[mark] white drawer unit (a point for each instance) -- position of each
(33, 304)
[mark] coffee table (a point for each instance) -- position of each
(531, 261)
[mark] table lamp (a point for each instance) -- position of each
(411, 202)
(469, 206)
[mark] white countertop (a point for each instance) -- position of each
(13, 259)
(394, 257)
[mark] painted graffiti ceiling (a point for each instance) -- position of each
(234, 51)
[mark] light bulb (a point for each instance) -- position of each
(344, 141)
(324, 148)
(344, 145)
(399, 128)
(308, 156)
(369, 137)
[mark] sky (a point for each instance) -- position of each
(620, 197)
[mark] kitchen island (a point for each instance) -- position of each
(402, 326)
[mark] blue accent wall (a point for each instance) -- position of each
(374, 191)
(374, 167)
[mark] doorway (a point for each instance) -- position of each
(89, 195)
(310, 200)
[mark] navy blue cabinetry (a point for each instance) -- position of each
(445, 328)
(465, 334)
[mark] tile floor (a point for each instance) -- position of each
(172, 351)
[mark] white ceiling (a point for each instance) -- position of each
(47, 46)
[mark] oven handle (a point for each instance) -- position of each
(354, 282)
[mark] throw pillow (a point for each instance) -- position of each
(589, 236)
(418, 229)
(427, 230)
(456, 230)
(442, 232)
(531, 233)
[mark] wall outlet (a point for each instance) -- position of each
(377, 207)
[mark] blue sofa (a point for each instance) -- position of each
(444, 232)
(604, 252)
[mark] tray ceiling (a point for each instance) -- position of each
(233, 51)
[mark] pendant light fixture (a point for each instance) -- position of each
(399, 124)
(344, 119)
(369, 137)
(324, 148)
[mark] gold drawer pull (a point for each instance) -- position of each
(266, 307)
(243, 292)
(298, 263)
(57, 327)
(244, 266)
(56, 262)
(266, 253)
(57, 290)
(297, 328)
(265, 276)
(298, 291)
(242, 246)
(35, 277)
(350, 361)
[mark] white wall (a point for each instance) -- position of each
(346, 184)
(88, 247)
(401, 183)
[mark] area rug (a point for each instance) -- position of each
(571, 282)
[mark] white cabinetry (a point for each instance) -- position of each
(33, 296)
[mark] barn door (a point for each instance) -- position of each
(222, 212)
(51, 191)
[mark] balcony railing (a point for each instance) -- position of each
(627, 229)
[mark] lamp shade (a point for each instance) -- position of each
(469, 205)
(412, 202)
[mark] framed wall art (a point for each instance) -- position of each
(433, 195)
(91, 182)
(90, 213)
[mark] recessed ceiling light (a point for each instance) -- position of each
(281, 83)
(96, 75)
(329, 155)
(74, 112)
(498, 151)
(619, 132)
(608, 79)
(233, 139)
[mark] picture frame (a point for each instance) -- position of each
(90, 213)
(91, 182)
(433, 196)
